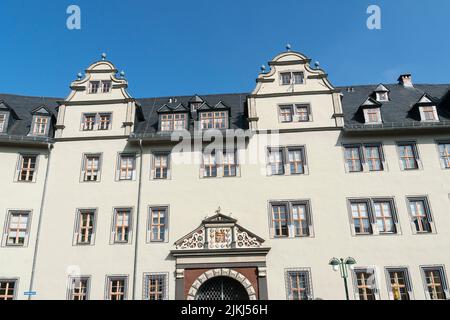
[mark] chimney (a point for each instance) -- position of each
(406, 80)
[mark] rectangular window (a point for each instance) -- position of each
(298, 77)
(85, 227)
(7, 289)
(299, 285)
(372, 115)
(302, 112)
(365, 284)
(361, 218)
(27, 168)
(117, 288)
(104, 121)
(296, 160)
(435, 283)
(173, 122)
(399, 284)
(374, 157)
(122, 225)
(209, 165)
(285, 78)
(94, 87)
(444, 154)
(276, 161)
(158, 224)
(106, 86)
(429, 113)
(353, 159)
(91, 167)
(291, 219)
(2, 122)
(155, 286)
(88, 122)
(127, 166)
(79, 288)
(161, 163)
(288, 78)
(214, 120)
(40, 125)
(18, 228)
(384, 216)
(229, 163)
(421, 215)
(286, 113)
(408, 156)
(180, 121)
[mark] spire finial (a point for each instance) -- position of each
(103, 56)
(263, 68)
(218, 210)
(288, 47)
(317, 64)
(122, 74)
(79, 75)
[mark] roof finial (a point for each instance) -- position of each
(122, 74)
(263, 68)
(288, 47)
(218, 210)
(79, 76)
(317, 64)
(103, 56)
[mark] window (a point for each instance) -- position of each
(295, 161)
(219, 163)
(173, 122)
(299, 285)
(372, 115)
(155, 286)
(409, 158)
(7, 289)
(444, 154)
(104, 121)
(353, 159)
(85, 227)
(27, 168)
(122, 225)
(40, 125)
(290, 219)
(79, 288)
(429, 113)
(382, 96)
(127, 167)
(17, 228)
(88, 122)
(420, 215)
(157, 226)
(435, 283)
(214, 120)
(293, 113)
(161, 165)
(296, 158)
(286, 113)
(373, 216)
(361, 218)
(94, 86)
(209, 165)
(117, 288)
(229, 163)
(365, 284)
(276, 162)
(399, 284)
(96, 121)
(106, 86)
(373, 156)
(2, 122)
(288, 78)
(91, 167)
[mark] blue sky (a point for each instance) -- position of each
(181, 47)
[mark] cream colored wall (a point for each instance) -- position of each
(16, 262)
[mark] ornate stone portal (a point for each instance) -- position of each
(220, 247)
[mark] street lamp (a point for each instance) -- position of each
(343, 265)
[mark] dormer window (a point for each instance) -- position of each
(288, 78)
(372, 116)
(3, 122)
(214, 120)
(100, 86)
(382, 96)
(195, 106)
(428, 114)
(173, 122)
(40, 125)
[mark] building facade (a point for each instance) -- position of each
(233, 196)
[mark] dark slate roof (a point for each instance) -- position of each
(235, 101)
(23, 106)
(399, 111)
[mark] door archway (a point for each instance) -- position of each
(222, 288)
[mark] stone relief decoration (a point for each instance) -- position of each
(217, 233)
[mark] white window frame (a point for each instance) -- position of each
(286, 164)
(34, 122)
(96, 123)
(367, 118)
(219, 163)
(19, 167)
(76, 234)
(295, 115)
(444, 165)
(4, 124)
(113, 240)
(291, 82)
(416, 155)
(100, 87)
(154, 155)
(422, 114)
(10, 212)
(428, 213)
(118, 166)
(380, 94)
(83, 167)
(150, 222)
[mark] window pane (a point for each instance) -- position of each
(444, 152)
(373, 156)
(280, 220)
(361, 219)
(420, 216)
(296, 161)
(299, 287)
(353, 160)
(384, 218)
(276, 162)
(366, 285)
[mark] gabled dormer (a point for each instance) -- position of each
(195, 102)
(381, 93)
(99, 104)
(371, 109)
(173, 117)
(427, 109)
(214, 117)
(41, 121)
(7, 117)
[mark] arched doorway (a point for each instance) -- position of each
(222, 288)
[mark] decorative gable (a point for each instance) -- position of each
(219, 232)
(381, 93)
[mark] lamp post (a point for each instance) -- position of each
(343, 265)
